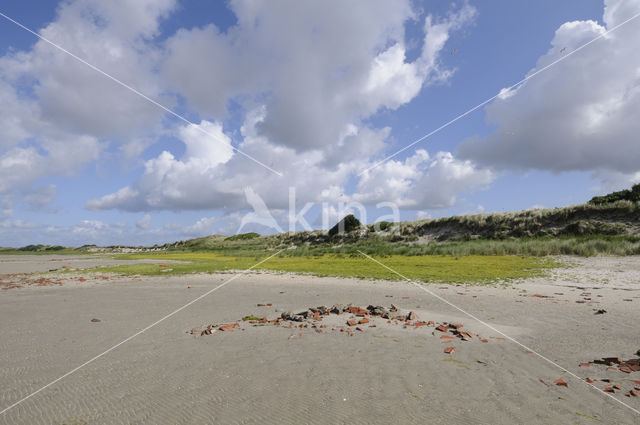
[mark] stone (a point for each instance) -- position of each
(412, 316)
(94, 320)
(450, 350)
(560, 382)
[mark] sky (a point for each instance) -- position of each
(181, 119)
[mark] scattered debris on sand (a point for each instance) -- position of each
(626, 366)
(348, 319)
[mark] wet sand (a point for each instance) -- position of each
(268, 374)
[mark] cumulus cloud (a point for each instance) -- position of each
(320, 66)
(55, 112)
(304, 79)
(422, 181)
(306, 98)
(581, 114)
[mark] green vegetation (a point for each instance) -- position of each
(632, 195)
(433, 268)
(243, 237)
(346, 225)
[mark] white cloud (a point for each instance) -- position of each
(345, 62)
(202, 227)
(144, 222)
(580, 114)
(304, 101)
(421, 181)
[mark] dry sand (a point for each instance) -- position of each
(386, 374)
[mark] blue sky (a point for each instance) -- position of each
(318, 91)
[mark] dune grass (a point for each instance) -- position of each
(432, 268)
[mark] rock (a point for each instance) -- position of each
(95, 320)
(412, 316)
(601, 311)
(337, 309)
(377, 310)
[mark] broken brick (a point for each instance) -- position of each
(634, 393)
(363, 321)
(608, 390)
(351, 322)
(617, 387)
(442, 328)
(560, 382)
(228, 327)
(447, 337)
(585, 364)
(450, 350)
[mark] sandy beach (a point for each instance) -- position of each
(390, 373)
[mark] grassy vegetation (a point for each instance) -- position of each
(434, 268)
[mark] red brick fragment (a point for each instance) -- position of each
(634, 393)
(351, 322)
(447, 337)
(450, 350)
(419, 324)
(585, 364)
(560, 382)
(316, 315)
(589, 381)
(484, 340)
(617, 387)
(431, 323)
(608, 390)
(228, 327)
(363, 321)
(625, 369)
(442, 328)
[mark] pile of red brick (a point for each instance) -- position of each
(358, 318)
